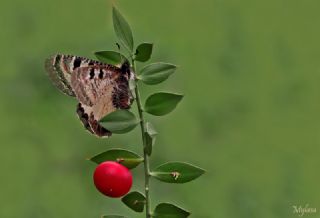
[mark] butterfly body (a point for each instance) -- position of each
(100, 88)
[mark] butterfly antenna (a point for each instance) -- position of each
(118, 45)
(121, 58)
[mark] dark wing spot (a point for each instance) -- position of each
(101, 74)
(84, 118)
(76, 63)
(125, 68)
(91, 73)
(80, 109)
(56, 59)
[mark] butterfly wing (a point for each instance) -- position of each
(100, 89)
(60, 68)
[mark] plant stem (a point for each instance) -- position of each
(145, 155)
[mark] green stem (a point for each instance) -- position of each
(145, 155)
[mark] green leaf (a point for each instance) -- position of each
(135, 201)
(177, 172)
(150, 136)
(166, 210)
(112, 216)
(122, 29)
(110, 57)
(127, 158)
(119, 121)
(143, 52)
(132, 86)
(156, 73)
(162, 103)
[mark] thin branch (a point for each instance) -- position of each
(145, 155)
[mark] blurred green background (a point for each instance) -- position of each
(250, 73)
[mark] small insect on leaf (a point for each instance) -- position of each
(170, 210)
(119, 121)
(122, 29)
(177, 172)
(150, 136)
(155, 73)
(143, 52)
(135, 201)
(162, 103)
(126, 158)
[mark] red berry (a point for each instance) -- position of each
(112, 179)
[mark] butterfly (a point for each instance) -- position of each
(100, 88)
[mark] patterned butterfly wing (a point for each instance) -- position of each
(60, 68)
(100, 88)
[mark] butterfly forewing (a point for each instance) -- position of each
(60, 68)
(100, 88)
(59, 74)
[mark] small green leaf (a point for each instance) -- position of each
(132, 86)
(112, 216)
(177, 172)
(162, 103)
(127, 158)
(166, 210)
(110, 57)
(143, 52)
(156, 73)
(119, 121)
(150, 135)
(122, 29)
(135, 201)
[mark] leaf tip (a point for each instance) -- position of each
(114, 8)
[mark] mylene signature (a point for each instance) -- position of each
(303, 210)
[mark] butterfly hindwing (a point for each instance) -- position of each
(100, 90)
(90, 123)
(97, 86)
